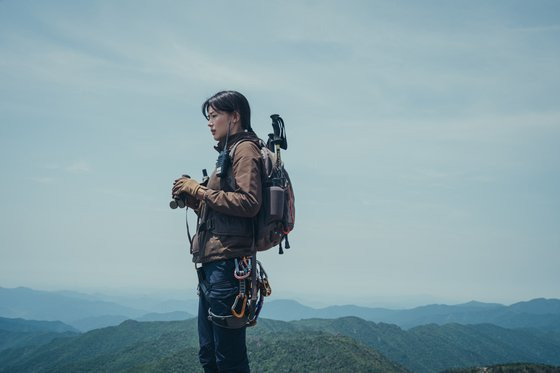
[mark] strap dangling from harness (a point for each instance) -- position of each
(253, 301)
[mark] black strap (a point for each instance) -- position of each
(203, 285)
(254, 288)
(187, 223)
(253, 306)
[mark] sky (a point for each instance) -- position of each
(423, 143)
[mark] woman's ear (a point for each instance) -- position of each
(236, 117)
(236, 121)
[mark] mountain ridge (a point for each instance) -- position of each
(537, 313)
(150, 346)
(80, 311)
(86, 313)
(24, 325)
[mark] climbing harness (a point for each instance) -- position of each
(253, 287)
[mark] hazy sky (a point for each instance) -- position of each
(423, 142)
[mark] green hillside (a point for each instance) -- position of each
(433, 347)
(316, 352)
(291, 353)
(172, 347)
(16, 333)
(115, 348)
(346, 344)
(11, 340)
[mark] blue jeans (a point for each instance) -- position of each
(221, 349)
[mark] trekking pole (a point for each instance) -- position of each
(277, 140)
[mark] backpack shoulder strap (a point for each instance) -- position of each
(257, 142)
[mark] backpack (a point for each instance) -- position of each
(276, 217)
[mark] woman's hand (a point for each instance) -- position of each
(189, 186)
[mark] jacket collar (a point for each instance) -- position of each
(235, 138)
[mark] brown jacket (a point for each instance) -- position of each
(225, 227)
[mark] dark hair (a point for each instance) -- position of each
(230, 101)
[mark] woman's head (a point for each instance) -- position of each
(227, 107)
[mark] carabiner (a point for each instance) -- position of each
(265, 287)
(243, 272)
(234, 306)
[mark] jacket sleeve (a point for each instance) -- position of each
(246, 200)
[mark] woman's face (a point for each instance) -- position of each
(218, 122)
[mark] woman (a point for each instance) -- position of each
(226, 206)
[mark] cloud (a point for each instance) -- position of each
(78, 167)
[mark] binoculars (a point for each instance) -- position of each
(181, 200)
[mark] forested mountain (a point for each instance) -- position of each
(172, 347)
(433, 347)
(346, 344)
(19, 332)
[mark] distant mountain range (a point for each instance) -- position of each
(537, 313)
(347, 344)
(86, 312)
(81, 311)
